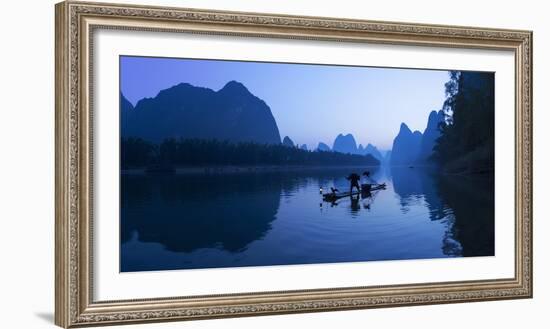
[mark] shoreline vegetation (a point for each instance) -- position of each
(228, 169)
(189, 153)
(467, 141)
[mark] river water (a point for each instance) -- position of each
(190, 221)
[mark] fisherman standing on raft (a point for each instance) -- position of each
(354, 182)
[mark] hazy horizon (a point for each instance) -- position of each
(376, 100)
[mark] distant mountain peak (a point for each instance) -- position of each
(404, 128)
(184, 85)
(405, 146)
(178, 88)
(345, 144)
(435, 118)
(235, 87)
(373, 150)
(125, 104)
(430, 135)
(185, 111)
(323, 147)
(288, 142)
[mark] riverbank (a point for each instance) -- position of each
(450, 170)
(239, 169)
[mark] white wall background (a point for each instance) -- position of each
(27, 162)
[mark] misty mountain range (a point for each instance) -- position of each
(415, 147)
(343, 144)
(235, 115)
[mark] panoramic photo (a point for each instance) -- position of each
(237, 163)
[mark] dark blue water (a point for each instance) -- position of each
(189, 221)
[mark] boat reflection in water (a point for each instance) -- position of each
(189, 221)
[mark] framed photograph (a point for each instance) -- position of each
(218, 164)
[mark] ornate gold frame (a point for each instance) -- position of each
(76, 21)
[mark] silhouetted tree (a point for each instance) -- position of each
(467, 134)
(135, 152)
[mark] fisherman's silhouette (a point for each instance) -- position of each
(354, 182)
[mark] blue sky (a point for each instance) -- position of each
(311, 103)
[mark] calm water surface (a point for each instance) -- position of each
(188, 221)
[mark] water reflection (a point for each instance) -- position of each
(472, 202)
(187, 212)
(414, 185)
(277, 218)
(465, 204)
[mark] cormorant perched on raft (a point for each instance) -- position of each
(369, 179)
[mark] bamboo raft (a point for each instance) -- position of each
(366, 189)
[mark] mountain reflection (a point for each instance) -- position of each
(187, 212)
(227, 211)
(464, 203)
